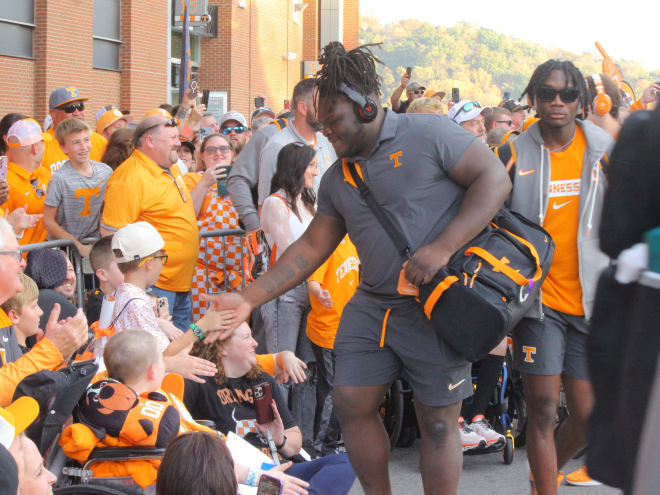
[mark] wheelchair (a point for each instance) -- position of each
(397, 411)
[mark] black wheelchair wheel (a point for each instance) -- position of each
(391, 412)
(509, 447)
(407, 437)
(517, 411)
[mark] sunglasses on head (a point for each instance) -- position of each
(238, 129)
(467, 107)
(167, 123)
(567, 95)
(72, 107)
(211, 150)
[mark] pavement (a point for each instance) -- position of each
(482, 475)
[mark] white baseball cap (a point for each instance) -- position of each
(137, 241)
(466, 110)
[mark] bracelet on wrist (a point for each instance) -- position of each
(197, 332)
(252, 477)
(278, 447)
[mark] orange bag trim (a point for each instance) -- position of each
(382, 333)
(500, 265)
(531, 248)
(437, 292)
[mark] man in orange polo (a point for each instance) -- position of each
(26, 178)
(147, 187)
(66, 103)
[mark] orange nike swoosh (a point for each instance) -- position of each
(522, 173)
(452, 387)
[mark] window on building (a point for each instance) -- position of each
(107, 34)
(17, 28)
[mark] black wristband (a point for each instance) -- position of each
(278, 447)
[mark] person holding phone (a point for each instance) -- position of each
(228, 400)
(413, 90)
(214, 210)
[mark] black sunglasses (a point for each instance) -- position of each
(72, 107)
(239, 129)
(167, 123)
(567, 95)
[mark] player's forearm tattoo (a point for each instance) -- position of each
(283, 275)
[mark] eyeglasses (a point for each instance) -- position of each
(17, 255)
(507, 122)
(567, 95)
(40, 192)
(212, 150)
(167, 123)
(72, 107)
(162, 257)
(238, 129)
(467, 107)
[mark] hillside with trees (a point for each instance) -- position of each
(481, 62)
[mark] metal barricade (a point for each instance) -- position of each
(75, 258)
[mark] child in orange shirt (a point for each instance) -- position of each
(331, 286)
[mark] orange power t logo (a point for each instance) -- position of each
(87, 194)
(395, 158)
(528, 351)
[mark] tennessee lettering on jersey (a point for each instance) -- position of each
(570, 187)
(55, 166)
(350, 264)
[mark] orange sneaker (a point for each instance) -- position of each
(581, 478)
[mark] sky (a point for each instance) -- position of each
(569, 24)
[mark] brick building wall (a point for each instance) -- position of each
(246, 59)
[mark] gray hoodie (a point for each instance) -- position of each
(530, 196)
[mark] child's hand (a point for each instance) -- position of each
(220, 323)
(169, 329)
(325, 299)
(290, 368)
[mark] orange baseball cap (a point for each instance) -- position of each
(109, 117)
(158, 111)
(26, 132)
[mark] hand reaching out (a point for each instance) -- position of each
(290, 368)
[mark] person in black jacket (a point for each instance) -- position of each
(625, 337)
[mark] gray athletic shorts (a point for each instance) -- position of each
(552, 346)
(379, 340)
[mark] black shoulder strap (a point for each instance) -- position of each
(122, 309)
(400, 242)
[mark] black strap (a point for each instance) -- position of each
(122, 309)
(399, 240)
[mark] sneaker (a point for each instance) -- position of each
(581, 478)
(469, 439)
(481, 427)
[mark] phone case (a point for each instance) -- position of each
(263, 396)
(3, 167)
(269, 485)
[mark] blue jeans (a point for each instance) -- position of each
(329, 475)
(180, 306)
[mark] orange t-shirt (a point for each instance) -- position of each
(562, 290)
(339, 275)
(140, 190)
(23, 193)
(54, 157)
(191, 179)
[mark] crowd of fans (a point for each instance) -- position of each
(133, 196)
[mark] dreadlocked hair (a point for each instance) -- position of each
(571, 72)
(213, 352)
(355, 68)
